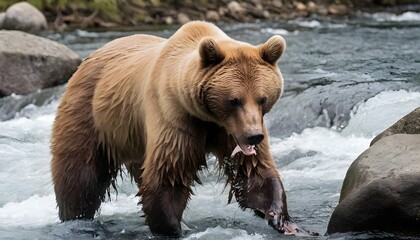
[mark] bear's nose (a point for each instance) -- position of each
(254, 138)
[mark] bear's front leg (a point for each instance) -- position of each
(170, 167)
(256, 184)
(163, 208)
(260, 189)
(263, 192)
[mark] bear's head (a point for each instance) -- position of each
(241, 83)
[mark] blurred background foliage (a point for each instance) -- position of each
(108, 13)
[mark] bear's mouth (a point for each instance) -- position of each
(244, 148)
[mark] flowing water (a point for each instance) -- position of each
(346, 81)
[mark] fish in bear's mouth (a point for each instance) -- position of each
(246, 149)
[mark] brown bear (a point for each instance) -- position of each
(158, 107)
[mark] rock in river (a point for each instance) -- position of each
(25, 17)
(29, 63)
(410, 124)
(381, 190)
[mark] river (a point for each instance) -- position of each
(346, 81)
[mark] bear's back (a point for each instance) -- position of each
(125, 64)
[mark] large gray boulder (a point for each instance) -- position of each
(410, 124)
(25, 17)
(29, 63)
(381, 190)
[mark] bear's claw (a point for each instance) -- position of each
(288, 227)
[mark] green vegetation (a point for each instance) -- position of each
(111, 13)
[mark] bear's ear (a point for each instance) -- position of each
(272, 50)
(210, 52)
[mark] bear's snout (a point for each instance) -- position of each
(254, 138)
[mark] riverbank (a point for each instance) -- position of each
(137, 13)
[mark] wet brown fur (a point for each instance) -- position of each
(158, 106)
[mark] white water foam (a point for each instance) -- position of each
(224, 233)
(276, 31)
(333, 154)
(317, 24)
(24, 151)
(334, 151)
(378, 113)
(36, 211)
(405, 17)
(308, 24)
(24, 214)
(121, 204)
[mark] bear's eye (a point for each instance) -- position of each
(236, 102)
(262, 100)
